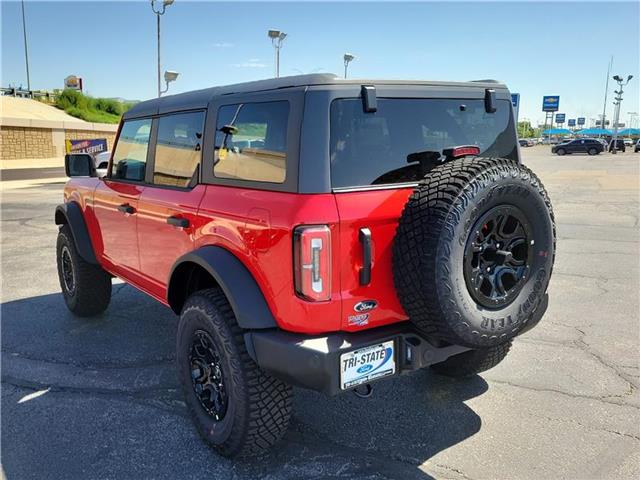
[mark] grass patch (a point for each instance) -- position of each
(96, 110)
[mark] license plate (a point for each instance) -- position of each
(367, 364)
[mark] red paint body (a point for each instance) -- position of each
(257, 227)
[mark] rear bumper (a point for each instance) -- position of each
(313, 362)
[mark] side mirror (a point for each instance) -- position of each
(79, 165)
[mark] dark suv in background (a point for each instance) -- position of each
(579, 145)
(619, 145)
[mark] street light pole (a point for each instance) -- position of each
(617, 103)
(606, 91)
(347, 58)
(277, 37)
(26, 50)
(160, 11)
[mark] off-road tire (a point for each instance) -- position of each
(259, 406)
(472, 362)
(91, 292)
(561, 151)
(431, 238)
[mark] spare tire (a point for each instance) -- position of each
(474, 250)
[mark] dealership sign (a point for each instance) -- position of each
(550, 103)
(572, 122)
(515, 102)
(581, 120)
(560, 117)
(73, 82)
(92, 146)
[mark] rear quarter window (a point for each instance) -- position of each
(251, 142)
(374, 148)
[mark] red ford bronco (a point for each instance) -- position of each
(315, 232)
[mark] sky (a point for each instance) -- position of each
(536, 48)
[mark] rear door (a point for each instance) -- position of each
(373, 172)
(168, 207)
(116, 198)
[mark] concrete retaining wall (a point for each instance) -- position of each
(36, 139)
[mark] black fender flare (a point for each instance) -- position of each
(71, 214)
(241, 289)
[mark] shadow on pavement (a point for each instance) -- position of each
(95, 398)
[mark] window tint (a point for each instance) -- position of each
(251, 141)
(178, 149)
(375, 148)
(130, 155)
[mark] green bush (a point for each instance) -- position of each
(97, 110)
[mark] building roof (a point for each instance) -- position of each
(200, 98)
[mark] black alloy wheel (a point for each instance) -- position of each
(68, 276)
(497, 256)
(207, 377)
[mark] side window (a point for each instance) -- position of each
(178, 149)
(251, 141)
(130, 155)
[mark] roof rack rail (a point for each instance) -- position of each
(488, 80)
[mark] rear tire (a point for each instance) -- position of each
(472, 362)
(86, 287)
(238, 409)
(474, 251)
(593, 151)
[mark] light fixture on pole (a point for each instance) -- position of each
(347, 59)
(277, 37)
(616, 119)
(169, 76)
(159, 11)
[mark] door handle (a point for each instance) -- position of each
(365, 271)
(126, 208)
(178, 222)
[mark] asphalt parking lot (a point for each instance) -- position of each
(100, 399)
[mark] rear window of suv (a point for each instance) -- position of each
(373, 148)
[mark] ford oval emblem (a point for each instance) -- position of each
(365, 306)
(365, 368)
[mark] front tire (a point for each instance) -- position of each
(86, 287)
(472, 362)
(237, 408)
(593, 151)
(561, 151)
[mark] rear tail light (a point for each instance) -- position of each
(461, 151)
(312, 262)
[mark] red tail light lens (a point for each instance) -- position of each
(312, 262)
(462, 151)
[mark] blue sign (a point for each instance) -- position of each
(550, 103)
(515, 102)
(92, 146)
(560, 117)
(581, 120)
(572, 122)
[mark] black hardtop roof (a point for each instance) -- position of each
(200, 98)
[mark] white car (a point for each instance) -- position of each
(101, 162)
